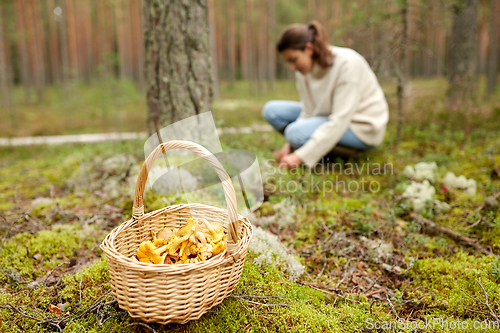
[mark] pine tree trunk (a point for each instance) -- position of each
(231, 40)
(39, 63)
(463, 56)
(403, 69)
(492, 66)
(177, 61)
(25, 69)
(4, 76)
(120, 38)
(213, 48)
(74, 61)
(251, 55)
(63, 31)
(86, 20)
(55, 64)
(261, 47)
(271, 57)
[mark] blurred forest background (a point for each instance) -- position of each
(425, 245)
(62, 54)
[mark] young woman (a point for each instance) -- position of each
(341, 102)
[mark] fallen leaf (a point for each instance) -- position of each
(55, 309)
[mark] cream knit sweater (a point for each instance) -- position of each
(348, 93)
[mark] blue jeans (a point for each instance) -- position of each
(282, 115)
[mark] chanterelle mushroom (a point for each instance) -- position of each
(205, 252)
(148, 252)
(215, 229)
(176, 241)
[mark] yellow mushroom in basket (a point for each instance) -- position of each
(148, 252)
(164, 234)
(215, 231)
(205, 252)
(176, 242)
(219, 247)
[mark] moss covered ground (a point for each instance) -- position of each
(366, 259)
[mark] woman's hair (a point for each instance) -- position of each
(296, 36)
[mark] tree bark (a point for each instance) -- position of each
(271, 49)
(462, 75)
(4, 84)
(231, 40)
(213, 47)
(63, 31)
(177, 61)
(492, 66)
(402, 69)
(55, 63)
(261, 47)
(25, 69)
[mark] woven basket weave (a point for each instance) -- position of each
(175, 293)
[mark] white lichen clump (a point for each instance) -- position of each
(285, 213)
(441, 207)
(270, 251)
(453, 182)
(380, 250)
(421, 171)
(418, 194)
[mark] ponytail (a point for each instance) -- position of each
(296, 36)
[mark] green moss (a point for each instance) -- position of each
(445, 277)
(55, 246)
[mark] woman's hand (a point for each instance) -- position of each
(283, 152)
(290, 161)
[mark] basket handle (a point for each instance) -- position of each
(138, 208)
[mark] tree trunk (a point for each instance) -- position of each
(86, 19)
(39, 63)
(252, 66)
(177, 61)
(231, 40)
(55, 64)
(138, 48)
(492, 66)
(213, 47)
(261, 47)
(402, 68)
(271, 58)
(25, 69)
(74, 60)
(462, 75)
(63, 31)
(4, 76)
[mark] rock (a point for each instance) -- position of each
(491, 203)
(33, 285)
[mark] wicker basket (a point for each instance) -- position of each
(175, 293)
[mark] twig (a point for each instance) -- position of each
(486, 302)
(320, 273)
(378, 291)
(244, 296)
(80, 286)
(53, 270)
(472, 225)
(493, 314)
(456, 236)
(404, 289)
(141, 324)
(392, 307)
(456, 307)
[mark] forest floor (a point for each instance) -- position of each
(368, 258)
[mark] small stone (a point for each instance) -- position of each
(33, 285)
(490, 202)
